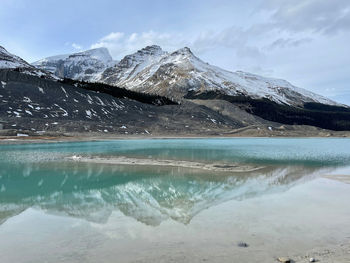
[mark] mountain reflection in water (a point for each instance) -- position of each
(150, 194)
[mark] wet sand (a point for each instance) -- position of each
(122, 160)
(345, 178)
(341, 175)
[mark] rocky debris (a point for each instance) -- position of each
(8, 132)
(284, 260)
(228, 109)
(242, 244)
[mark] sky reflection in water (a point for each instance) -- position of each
(39, 176)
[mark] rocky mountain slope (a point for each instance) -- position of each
(131, 65)
(38, 106)
(10, 61)
(86, 66)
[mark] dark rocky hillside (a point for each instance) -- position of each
(120, 92)
(314, 114)
(34, 105)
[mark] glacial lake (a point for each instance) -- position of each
(292, 197)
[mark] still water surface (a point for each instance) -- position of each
(53, 209)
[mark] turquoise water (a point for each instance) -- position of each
(42, 190)
(318, 152)
(40, 175)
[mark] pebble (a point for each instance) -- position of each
(284, 260)
(312, 260)
(242, 244)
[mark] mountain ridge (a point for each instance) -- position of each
(11, 61)
(174, 74)
(85, 65)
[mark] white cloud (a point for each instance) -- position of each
(234, 48)
(121, 44)
(320, 16)
(243, 42)
(76, 46)
(114, 36)
(288, 42)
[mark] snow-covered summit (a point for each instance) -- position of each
(151, 50)
(86, 65)
(175, 74)
(10, 61)
(185, 51)
(132, 64)
(101, 54)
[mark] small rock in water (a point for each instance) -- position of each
(242, 244)
(76, 158)
(284, 260)
(312, 260)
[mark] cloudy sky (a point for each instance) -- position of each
(303, 41)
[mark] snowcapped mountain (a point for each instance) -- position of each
(151, 70)
(86, 65)
(154, 71)
(213, 100)
(10, 61)
(131, 65)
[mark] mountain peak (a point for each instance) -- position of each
(183, 51)
(151, 50)
(2, 49)
(100, 53)
(8, 60)
(132, 64)
(85, 65)
(144, 55)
